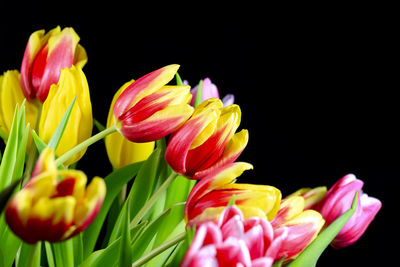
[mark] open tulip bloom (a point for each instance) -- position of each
(174, 197)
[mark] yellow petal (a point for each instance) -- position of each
(72, 83)
(80, 57)
(11, 94)
(264, 197)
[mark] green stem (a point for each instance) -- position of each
(85, 144)
(159, 249)
(153, 199)
(33, 257)
(30, 163)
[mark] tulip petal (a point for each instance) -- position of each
(218, 178)
(35, 43)
(181, 141)
(231, 153)
(59, 55)
(144, 86)
(157, 125)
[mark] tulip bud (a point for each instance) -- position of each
(206, 140)
(54, 205)
(121, 151)
(44, 58)
(210, 90)
(339, 199)
(10, 95)
(79, 127)
(148, 110)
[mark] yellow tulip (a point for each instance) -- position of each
(72, 83)
(11, 94)
(121, 151)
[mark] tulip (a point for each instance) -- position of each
(148, 110)
(10, 95)
(79, 127)
(206, 140)
(54, 205)
(233, 240)
(210, 90)
(338, 200)
(121, 151)
(45, 56)
(210, 196)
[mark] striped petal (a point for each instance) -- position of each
(232, 151)
(54, 56)
(200, 126)
(289, 208)
(35, 43)
(216, 179)
(157, 125)
(143, 86)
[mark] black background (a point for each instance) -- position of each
(315, 85)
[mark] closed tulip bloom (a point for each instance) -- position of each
(10, 95)
(44, 58)
(55, 204)
(121, 151)
(339, 199)
(210, 90)
(206, 140)
(210, 196)
(148, 109)
(72, 83)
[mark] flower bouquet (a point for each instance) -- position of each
(172, 198)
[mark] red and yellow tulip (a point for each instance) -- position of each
(210, 196)
(44, 58)
(148, 109)
(54, 205)
(206, 140)
(121, 151)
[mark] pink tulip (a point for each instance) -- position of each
(339, 199)
(235, 241)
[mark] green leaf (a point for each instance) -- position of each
(98, 125)
(125, 255)
(103, 257)
(177, 192)
(64, 253)
(49, 254)
(199, 94)
(8, 253)
(178, 79)
(7, 193)
(144, 182)
(107, 256)
(140, 245)
(140, 190)
(77, 242)
(56, 137)
(29, 255)
(10, 153)
(114, 182)
(311, 254)
(40, 144)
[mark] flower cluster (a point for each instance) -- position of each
(180, 145)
